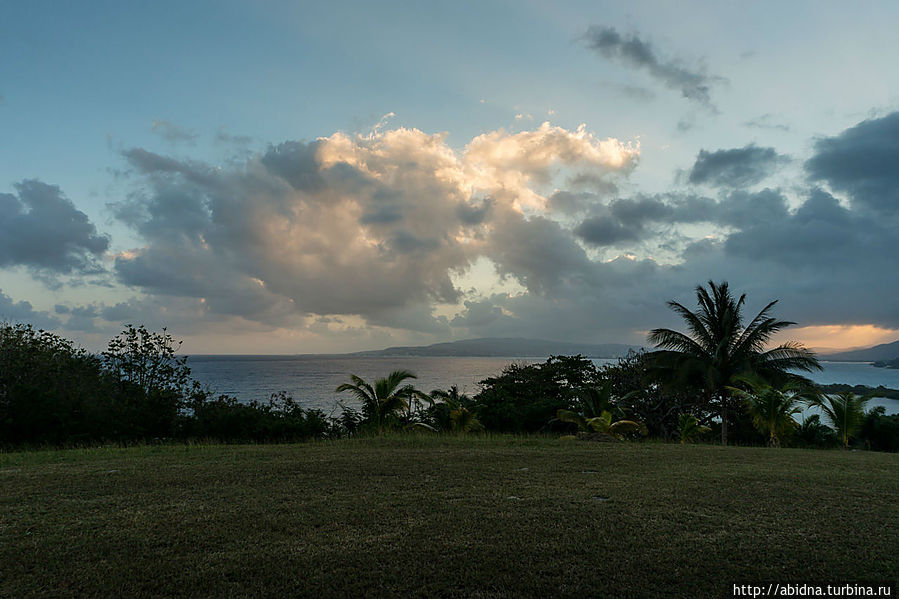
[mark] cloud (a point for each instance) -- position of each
(861, 161)
(223, 137)
(397, 236)
(172, 133)
(639, 218)
(22, 311)
(605, 230)
(41, 229)
(630, 50)
(374, 226)
(766, 121)
(737, 167)
(512, 164)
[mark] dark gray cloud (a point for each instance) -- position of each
(296, 163)
(22, 311)
(606, 230)
(862, 161)
(472, 213)
(172, 133)
(538, 252)
(737, 167)
(693, 83)
(639, 218)
(41, 229)
(478, 314)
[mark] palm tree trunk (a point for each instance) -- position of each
(723, 397)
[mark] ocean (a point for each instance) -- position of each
(311, 379)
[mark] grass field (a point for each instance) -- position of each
(442, 516)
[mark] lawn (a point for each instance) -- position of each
(442, 516)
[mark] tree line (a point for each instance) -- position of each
(719, 377)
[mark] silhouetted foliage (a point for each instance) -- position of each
(524, 398)
(138, 390)
(718, 347)
(879, 431)
(50, 391)
(814, 433)
(280, 419)
(649, 398)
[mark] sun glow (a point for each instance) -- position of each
(839, 337)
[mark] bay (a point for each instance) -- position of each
(311, 379)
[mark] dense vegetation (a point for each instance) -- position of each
(716, 379)
(878, 391)
(138, 390)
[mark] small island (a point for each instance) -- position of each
(894, 363)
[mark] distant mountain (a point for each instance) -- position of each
(883, 352)
(506, 348)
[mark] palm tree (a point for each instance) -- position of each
(452, 413)
(690, 428)
(385, 398)
(717, 346)
(772, 409)
(845, 411)
(597, 412)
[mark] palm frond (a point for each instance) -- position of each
(622, 427)
(675, 341)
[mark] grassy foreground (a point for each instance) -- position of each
(442, 516)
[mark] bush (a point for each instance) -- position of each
(281, 419)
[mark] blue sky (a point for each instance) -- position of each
(219, 85)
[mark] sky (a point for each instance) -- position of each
(292, 177)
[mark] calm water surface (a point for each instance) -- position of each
(311, 380)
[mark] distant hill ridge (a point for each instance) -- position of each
(506, 348)
(882, 352)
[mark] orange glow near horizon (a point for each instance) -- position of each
(839, 337)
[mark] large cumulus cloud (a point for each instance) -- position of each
(377, 226)
(348, 234)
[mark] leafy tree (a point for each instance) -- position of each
(690, 429)
(844, 411)
(717, 346)
(153, 384)
(383, 401)
(50, 391)
(523, 398)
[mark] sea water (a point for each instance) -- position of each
(311, 380)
